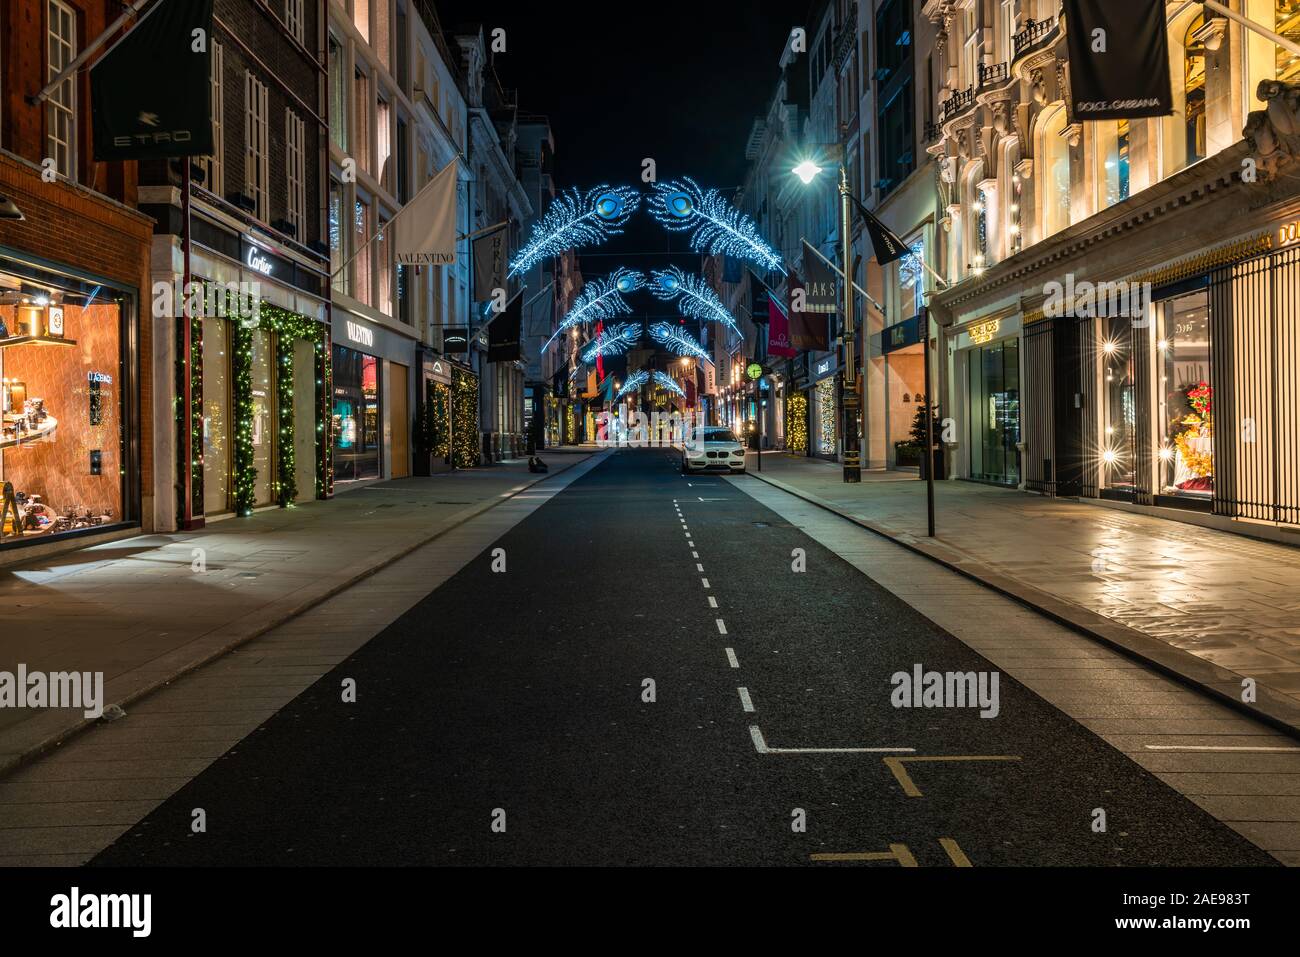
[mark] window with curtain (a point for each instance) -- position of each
(338, 96)
(361, 120)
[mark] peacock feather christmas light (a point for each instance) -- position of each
(668, 382)
(694, 297)
(614, 341)
(678, 341)
(716, 227)
(632, 383)
(577, 219)
(601, 300)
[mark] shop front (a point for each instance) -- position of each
(260, 367)
(823, 403)
(1189, 403)
(69, 445)
(372, 399)
(985, 370)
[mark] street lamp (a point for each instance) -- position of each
(807, 171)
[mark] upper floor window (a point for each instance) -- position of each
(361, 18)
(1055, 179)
(214, 166)
(256, 146)
(1006, 34)
(295, 164)
(61, 107)
(1288, 25)
(361, 119)
(338, 96)
(1194, 92)
(293, 18)
(1112, 141)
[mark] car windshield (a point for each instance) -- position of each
(719, 435)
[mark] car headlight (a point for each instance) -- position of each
(737, 451)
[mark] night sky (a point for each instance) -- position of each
(681, 82)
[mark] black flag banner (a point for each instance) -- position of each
(490, 263)
(884, 241)
(819, 292)
(1119, 59)
(503, 332)
(150, 93)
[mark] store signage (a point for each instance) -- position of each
(1105, 85)
(359, 334)
(259, 262)
(103, 377)
(982, 332)
(455, 339)
(54, 321)
(1288, 233)
(824, 367)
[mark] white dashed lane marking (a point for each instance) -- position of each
(731, 658)
(745, 702)
(722, 626)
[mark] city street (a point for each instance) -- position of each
(771, 693)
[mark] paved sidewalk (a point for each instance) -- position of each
(1207, 606)
(144, 610)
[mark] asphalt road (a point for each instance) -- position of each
(523, 691)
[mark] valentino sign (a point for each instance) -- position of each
(359, 334)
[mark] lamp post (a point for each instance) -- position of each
(807, 171)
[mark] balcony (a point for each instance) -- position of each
(957, 104)
(1034, 33)
(992, 74)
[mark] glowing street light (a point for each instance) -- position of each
(806, 171)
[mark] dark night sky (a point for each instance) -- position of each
(681, 82)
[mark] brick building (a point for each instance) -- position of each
(258, 386)
(76, 462)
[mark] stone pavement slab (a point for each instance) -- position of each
(147, 609)
(1207, 606)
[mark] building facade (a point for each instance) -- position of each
(78, 460)
(1122, 319)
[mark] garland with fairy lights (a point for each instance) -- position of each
(288, 327)
(796, 422)
(464, 416)
(441, 420)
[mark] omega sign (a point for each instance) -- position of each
(360, 334)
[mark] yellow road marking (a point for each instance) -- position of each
(896, 852)
(905, 780)
(955, 853)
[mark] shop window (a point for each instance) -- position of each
(264, 416)
(217, 437)
(826, 431)
(356, 417)
(61, 107)
(1119, 409)
(1185, 387)
(62, 450)
(994, 395)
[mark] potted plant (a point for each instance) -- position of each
(918, 438)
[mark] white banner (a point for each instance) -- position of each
(424, 230)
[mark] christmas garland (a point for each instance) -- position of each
(289, 326)
(464, 414)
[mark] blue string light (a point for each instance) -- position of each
(601, 300)
(694, 297)
(667, 381)
(634, 382)
(715, 225)
(677, 341)
(577, 219)
(614, 341)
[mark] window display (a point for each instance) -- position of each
(1119, 413)
(356, 415)
(1186, 454)
(61, 440)
(995, 412)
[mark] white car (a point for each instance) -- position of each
(713, 448)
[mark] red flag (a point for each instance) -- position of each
(600, 360)
(808, 330)
(778, 331)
